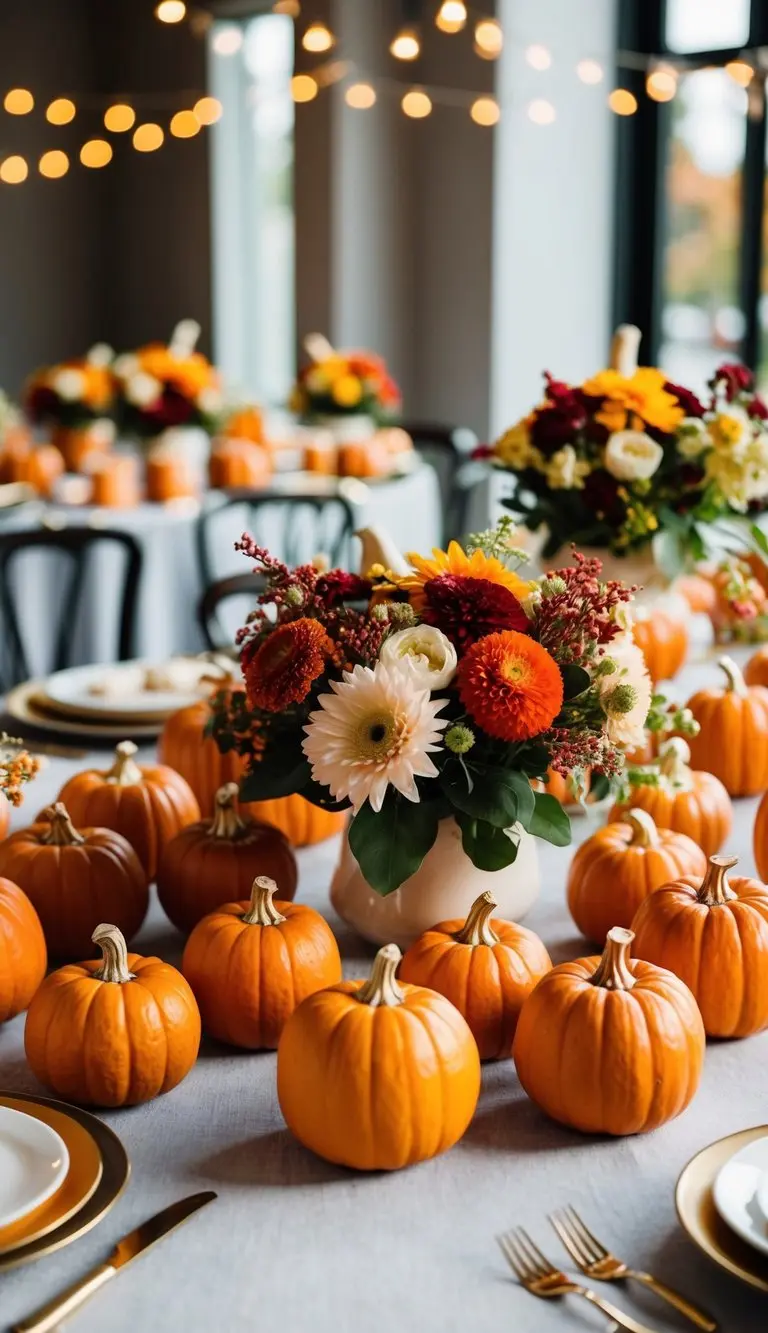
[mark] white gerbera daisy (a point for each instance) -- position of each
(376, 729)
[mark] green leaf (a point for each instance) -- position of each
(272, 777)
(317, 794)
(534, 760)
(550, 821)
(526, 796)
(600, 786)
(575, 681)
(391, 845)
(492, 795)
(759, 538)
(488, 847)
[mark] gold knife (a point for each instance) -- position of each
(127, 1249)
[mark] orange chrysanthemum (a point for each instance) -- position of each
(642, 395)
(510, 686)
(283, 668)
(456, 561)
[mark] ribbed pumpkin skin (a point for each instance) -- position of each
(664, 644)
(96, 1043)
(720, 952)
(377, 1088)
(610, 1061)
(760, 839)
(756, 670)
(704, 813)
(5, 816)
(609, 878)
(486, 982)
(73, 888)
(733, 740)
(248, 979)
(302, 823)
(22, 951)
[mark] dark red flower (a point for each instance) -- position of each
(732, 379)
(172, 410)
(466, 609)
(338, 586)
(482, 451)
(691, 474)
(41, 404)
(553, 427)
(691, 405)
(757, 407)
(601, 495)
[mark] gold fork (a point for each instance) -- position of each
(596, 1262)
(541, 1278)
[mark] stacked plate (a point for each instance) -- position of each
(61, 1170)
(722, 1203)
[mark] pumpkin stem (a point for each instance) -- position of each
(477, 928)
(382, 987)
(715, 889)
(125, 772)
(674, 760)
(62, 832)
(644, 832)
(735, 680)
(114, 954)
(226, 822)
(613, 971)
(262, 911)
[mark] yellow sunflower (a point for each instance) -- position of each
(456, 562)
(643, 395)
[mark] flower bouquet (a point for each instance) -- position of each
(435, 694)
(161, 387)
(75, 400)
(343, 384)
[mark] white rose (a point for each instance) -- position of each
(431, 656)
(143, 390)
(631, 455)
(564, 471)
(692, 437)
(209, 401)
(69, 385)
(126, 366)
(101, 354)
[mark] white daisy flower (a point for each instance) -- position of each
(68, 384)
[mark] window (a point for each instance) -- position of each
(251, 64)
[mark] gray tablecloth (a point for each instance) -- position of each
(294, 1243)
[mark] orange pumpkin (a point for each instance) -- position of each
(615, 870)
(14, 456)
(713, 934)
(5, 816)
(169, 476)
(377, 1074)
(234, 463)
(696, 804)
(115, 480)
(41, 469)
(610, 1045)
(71, 876)
(147, 803)
(216, 861)
(78, 444)
(112, 1032)
(663, 639)
(733, 738)
(698, 591)
(760, 839)
(251, 963)
(22, 950)
(483, 965)
(756, 670)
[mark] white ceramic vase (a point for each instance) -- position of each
(348, 429)
(445, 886)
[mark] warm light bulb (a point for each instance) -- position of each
(13, 170)
(303, 88)
(18, 102)
(119, 118)
(451, 16)
(405, 45)
(740, 72)
(208, 110)
(290, 7)
(541, 112)
(317, 38)
(589, 71)
(148, 137)
(661, 85)
(53, 164)
(538, 57)
(361, 96)
(96, 153)
(416, 104)
(60, 111)
(170, 11)
(485, 111)
(489, 39)
(623, 102)
(227, 41)
(185, 125)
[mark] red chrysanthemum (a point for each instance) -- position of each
(284, 666)
(510, 686)
(468, 609)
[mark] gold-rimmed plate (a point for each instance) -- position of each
(80, 1181)
(26, 704)
(694, 1200)
(115, 1173)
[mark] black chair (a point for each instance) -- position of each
(300, 527)
(448, 449)
(73, 550)
(218, 636)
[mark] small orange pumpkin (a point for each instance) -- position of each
(251, 964)
(698, 591)
(760, 839)
(696, 804)
(343, 1046)
(756, 670)
(169, 476)
(5, 816)
(615, 870)
(22, 950)
(42, 469)
(71, 876)
(610, 1045)
(663, 640)
(483, 965)
(148, 804)
(733, 738)
(235, 463)
(567, 790)
(216, 861)
(713, 934)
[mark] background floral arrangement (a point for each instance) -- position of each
(615, 460)
(442, 692)
(73, 393)
(344, 384)
(162, 386)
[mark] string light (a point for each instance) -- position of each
(661, 85)
(54, 164)
(184, 125)
(227, 41)
(541, 112)
(60, 112)
(170, 11)
(485, 111)
(416, 104)
(451, 16)
(740, 72)
(13, 170)
(96, 153)
(303, 88)
(623, 102)
(538, 57)
(208, 110)
(589, 71)
(361, 96)
(405, 45)
(18, 102)
(317, 38)
(119, 118)
(148, 137)
(489, 39)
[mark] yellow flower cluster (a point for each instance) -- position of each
(737, 459)
(633, 402)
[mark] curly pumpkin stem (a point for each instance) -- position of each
(382, 987)
(613, 971)
(62, 832)
(125, 772)
(114, 953)
(477, 928)
(262, 911)
(674, 762)
(644, 831)
(226, 822)
(736, 683)
(715, 889)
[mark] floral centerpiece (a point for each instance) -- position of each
(17, 767)
(161, 387)
(73, 394)
(434, 694)
(343, 384)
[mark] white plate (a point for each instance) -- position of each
(24, 704)
(736, 1193)
(33, 1164)
(125, 693)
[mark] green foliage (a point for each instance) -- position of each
(391, 845)
(550, 821)
(487, 846)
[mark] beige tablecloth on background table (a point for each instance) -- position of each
(296, 1244)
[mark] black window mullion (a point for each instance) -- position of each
(751, 259)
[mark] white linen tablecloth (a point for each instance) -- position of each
(297, 1244)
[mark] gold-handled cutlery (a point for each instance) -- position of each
(541, 1278)
(129, 1248)
(595, 1261)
